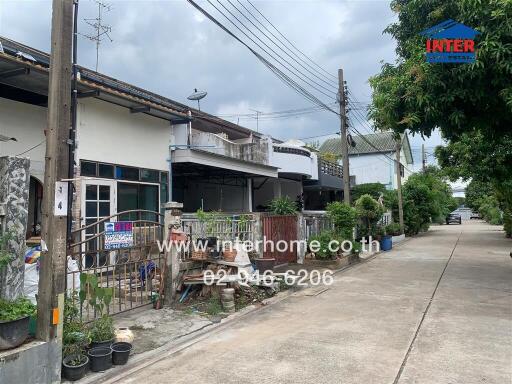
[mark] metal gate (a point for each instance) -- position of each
(133, 272)
(276, 229)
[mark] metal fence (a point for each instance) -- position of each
(225, 227)
(315, 223)
(133, 273)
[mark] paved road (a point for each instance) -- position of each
(437, 309)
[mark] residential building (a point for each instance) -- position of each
(372, 159)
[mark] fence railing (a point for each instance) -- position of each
(225, 227)
(315, 223)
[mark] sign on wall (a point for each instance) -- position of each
(118, 234)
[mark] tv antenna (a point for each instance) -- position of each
(100, 29)
(197, 96)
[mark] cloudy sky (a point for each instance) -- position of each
(169, 48)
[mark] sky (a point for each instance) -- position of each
(168, 47)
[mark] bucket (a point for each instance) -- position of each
(386, 243)
(101, 358)
(120, 353)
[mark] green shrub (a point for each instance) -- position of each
(393, 229)
(324, 238)
(282, 206)
(344, 218)
(370, 212)
(102, 329)
(16, 309)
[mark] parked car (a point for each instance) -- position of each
(475, 215)
(453, 218)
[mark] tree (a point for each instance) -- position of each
(372, 189)
(470, 103)
(369, 211)
(474, 193)
(457, 98)
(344, 218)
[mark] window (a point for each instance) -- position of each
(149, 175)
(137, 196)
(127, 173)
(106, 171)
(88, 168)
(164, 186)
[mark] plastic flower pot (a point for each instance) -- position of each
(101, 358)
(106, 343)
(386, 243)
(13, 333)
(229, 255)
(120, 352)
(74, 367)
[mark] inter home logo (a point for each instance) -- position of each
(450, 42)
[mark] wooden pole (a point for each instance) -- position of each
(52, 273)
(399, 186)
(343, 132)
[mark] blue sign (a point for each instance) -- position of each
(118, 234)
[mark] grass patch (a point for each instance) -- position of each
(213, 305)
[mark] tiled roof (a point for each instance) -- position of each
(381, 142)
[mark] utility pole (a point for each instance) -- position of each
(50, 301)
(423, 157)
(398, 165)
(344, 145)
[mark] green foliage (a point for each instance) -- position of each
(489, 210)
(344, 218)
(370, 212)
(102, 329)
(323, 239)
(99, 297)
(75, 336)
(5, 255)
(427, 197)
(372, 189)
(283, 206)
(475, 191)
(457, 98)
(392, 229)
(207, 220)
(16, 309)
(214, 306)
(330, 157)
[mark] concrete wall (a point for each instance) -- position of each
(294, 163)
(377, 168)
(110, 133)
(26, 123)
(36, 362)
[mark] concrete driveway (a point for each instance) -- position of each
(437, 309)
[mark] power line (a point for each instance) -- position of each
(31, 148)
(293, 45)
(306, 66)
(311, 82)
(280, 74)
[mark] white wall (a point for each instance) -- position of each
(294, 163)
(373, 168)
(25, 122)
(110, 133)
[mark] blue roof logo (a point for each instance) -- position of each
(450, 42)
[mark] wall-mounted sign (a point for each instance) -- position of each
(61, 198)
(118, 234)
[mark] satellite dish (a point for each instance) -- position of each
(197, 96)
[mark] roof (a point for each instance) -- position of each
(381, 142)
(20, 54)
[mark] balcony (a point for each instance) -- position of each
(254, 152)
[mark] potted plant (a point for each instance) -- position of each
(101, 331)
(202, 217)
(14, 321)
(74, 341)
(228, 251)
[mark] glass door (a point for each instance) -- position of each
(98, 202)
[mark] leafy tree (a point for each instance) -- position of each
(474, 193)
(457, 98)
(372, 189)
(344, 218)
(470, 103)
(369, 211)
